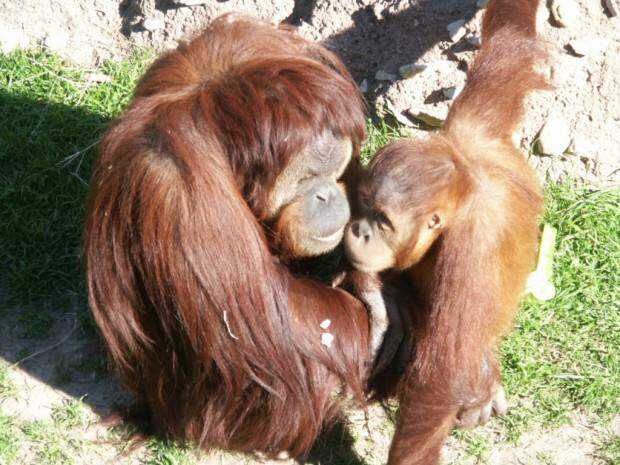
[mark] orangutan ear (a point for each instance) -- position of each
(435, 221)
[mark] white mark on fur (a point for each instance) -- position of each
(327, 339)
(228, 325)
(325, 323)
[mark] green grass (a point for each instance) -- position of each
(70, 414)
(564, 354)
(50, 122)
(378, 135)
(562, 357)
(477, 444)
(7, 387)
(35, 322)
(9, 440)
(610, 451)
(167, 453)
(48, 442)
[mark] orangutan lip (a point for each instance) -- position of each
(331, 237)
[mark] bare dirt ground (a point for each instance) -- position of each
(376, 38)
(89, 442)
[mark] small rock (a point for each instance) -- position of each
(364, 86)
(378, 11)
(56, 42)
(410, 70)
(402, 119)
(12, 39)
(457, 30)
(98, 78)
(189, 2)
(582, 147)
(482, 3)
(426, 118)
(397, 7)
(586, 46)
(153, 24)
(475, 23)
(554, 137)
(613, 7)
(385, 76)
(452, 92)
(444, 67)
(565, 12)
(614, 425)
(474, 40)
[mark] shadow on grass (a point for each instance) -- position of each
(335, 447)
(45, 326)
(43, 184)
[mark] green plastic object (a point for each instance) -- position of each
(540, 281)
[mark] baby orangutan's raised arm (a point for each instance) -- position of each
(456, 214)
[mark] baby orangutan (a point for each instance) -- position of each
(455, 215)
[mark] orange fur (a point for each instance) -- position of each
(467, 287)
(214, 337)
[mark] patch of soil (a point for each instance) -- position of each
(374, 36)
(65, 361)
(86, 32)
(572, 444)
(91, 442)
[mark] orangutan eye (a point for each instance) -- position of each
(383, 222)
(307, 177)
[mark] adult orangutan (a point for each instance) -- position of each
(228, 162)
(455, 216)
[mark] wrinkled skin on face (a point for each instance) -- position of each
(308, 205)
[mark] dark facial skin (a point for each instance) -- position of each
(308, 203)
(370, 241)
(392, 232)
(384, 237)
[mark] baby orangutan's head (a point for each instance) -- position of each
(405, 200)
